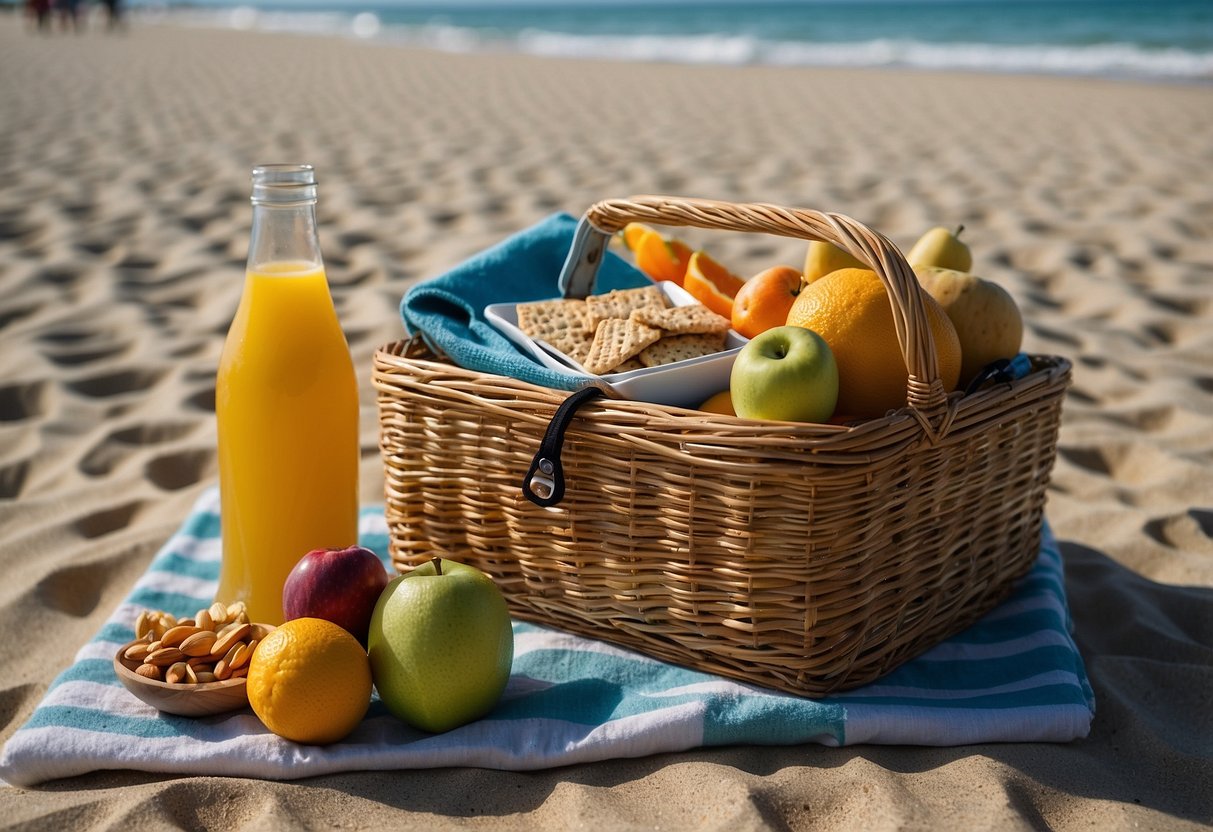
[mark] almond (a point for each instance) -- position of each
(176, 673)
(136, 652)
(199, 644)
(178, 634)
(143, 625)
(227, 639)
(148, 671)
(260, 631)
(218, 613)
(166, 656)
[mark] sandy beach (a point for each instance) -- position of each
(124, 218)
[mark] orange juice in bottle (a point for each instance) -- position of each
(286, 402)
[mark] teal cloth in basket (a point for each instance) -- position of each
(1016, 675)
(448, 310)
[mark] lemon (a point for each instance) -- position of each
(310, 681)
(721, 402)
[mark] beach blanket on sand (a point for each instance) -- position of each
(1014, 676)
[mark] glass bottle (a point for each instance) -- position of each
(286, 404)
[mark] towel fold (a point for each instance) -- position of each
(1014, 676)
(448, 310)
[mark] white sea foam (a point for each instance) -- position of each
(1103, 59)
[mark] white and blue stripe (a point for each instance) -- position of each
(1016, 675)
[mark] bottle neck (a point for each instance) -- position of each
(284, 233)
(284, 216)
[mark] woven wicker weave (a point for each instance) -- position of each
(808, 558)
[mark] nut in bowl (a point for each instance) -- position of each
(191, 666)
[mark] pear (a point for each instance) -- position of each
(941, 247)
(824, 258)
(985, 316)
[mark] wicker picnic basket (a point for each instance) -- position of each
(807, 558)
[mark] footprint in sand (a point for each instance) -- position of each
(76, 590)
(101, 523)
(74, 358)
(203, 400)
(181, 469)
(23, 400)
(63, 276)
(12, 478)
(14, 698)
(117, 384)
(119, 445)
(16, 313)
(1191, 530)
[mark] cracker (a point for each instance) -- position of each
(615, 341)
(683, 320)
(619, 303)
(681, 347)
(555, 320)
(632, 363)
(575, 347)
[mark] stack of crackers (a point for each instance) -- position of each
(626, 329)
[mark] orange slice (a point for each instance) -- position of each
(662, 259)
(631, 234)
(712, 284)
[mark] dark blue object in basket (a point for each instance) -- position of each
(448, 310)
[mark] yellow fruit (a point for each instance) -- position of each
(941, 247)
(986, 318)
(310, 681)
(823, 258)
(722, 402)
(851, 310)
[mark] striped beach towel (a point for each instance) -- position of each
(1016, 675)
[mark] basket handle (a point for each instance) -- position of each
(925, 391)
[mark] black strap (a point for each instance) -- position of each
(543, 484)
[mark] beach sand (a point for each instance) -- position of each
(124, 165)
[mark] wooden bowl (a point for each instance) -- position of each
(184, 700)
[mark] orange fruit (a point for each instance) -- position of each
(764, 300)
(310, 681)
(712, 284)
(851, 310)
(662, 259)
(631, 234)
(722, 402)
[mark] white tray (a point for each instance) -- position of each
(685, 383)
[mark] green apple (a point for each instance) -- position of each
(787, 373)
(986, 317)
(823, 258)
(941, 247)
(441, 645)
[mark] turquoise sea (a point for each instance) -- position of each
(1158, 40)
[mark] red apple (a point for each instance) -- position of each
(338, 585)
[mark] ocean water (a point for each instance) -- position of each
(1156, 40)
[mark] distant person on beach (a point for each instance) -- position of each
(69, 14)
(39, 12)
(113, 13)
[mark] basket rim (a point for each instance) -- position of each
(961, 409)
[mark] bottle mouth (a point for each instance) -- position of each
(284, 184)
